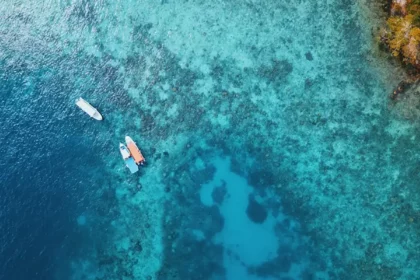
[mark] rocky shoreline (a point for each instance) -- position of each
(401, 38)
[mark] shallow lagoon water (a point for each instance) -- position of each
(273, 151)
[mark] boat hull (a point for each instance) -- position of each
(125, 153)
(88, 109)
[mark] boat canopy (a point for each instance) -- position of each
(131, 164)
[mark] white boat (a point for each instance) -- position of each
(89, 109)
(125, 153)
(128, 159)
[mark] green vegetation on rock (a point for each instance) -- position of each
(402, 35)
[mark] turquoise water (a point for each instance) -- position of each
(273, 149)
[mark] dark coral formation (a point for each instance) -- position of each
(277, 72)
(255, 211)
(309, 56)
(181, 248)
(219, 193)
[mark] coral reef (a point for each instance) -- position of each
(302, 118)
(401, 38)
(255, 211)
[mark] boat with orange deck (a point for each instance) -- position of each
(134, 150)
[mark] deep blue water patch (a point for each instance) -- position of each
(309, 56)
(50, 152)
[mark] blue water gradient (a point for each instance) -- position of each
(44, 178)
(272, 149)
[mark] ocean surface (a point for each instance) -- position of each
(273, 150)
